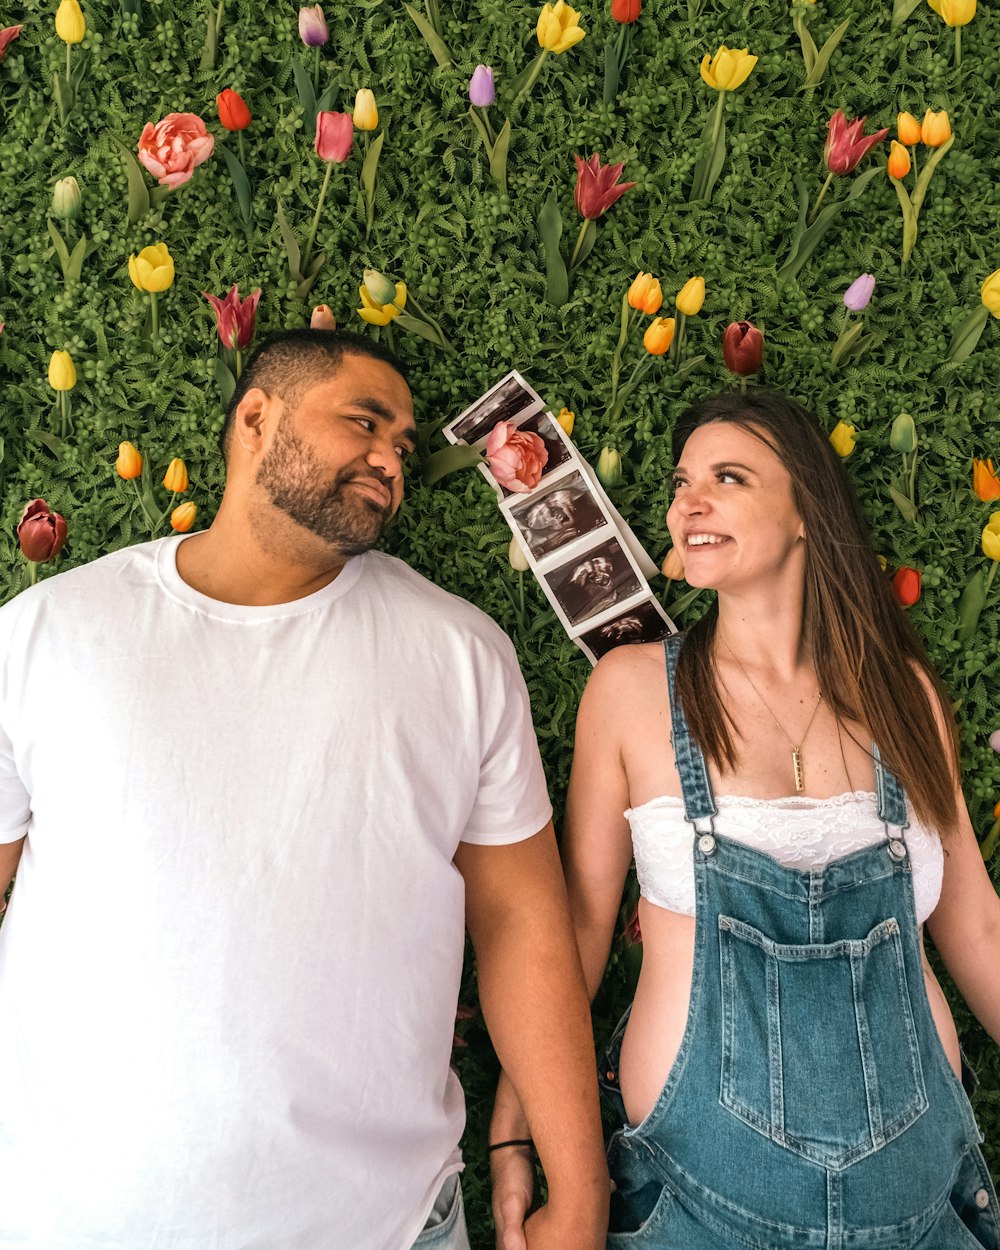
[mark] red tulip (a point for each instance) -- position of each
(847, 143)
(626, 11)
(743, 348)
(41, 532)
(906, 585)
(595, 186)
(235, 317)
(233, 111)
(334, 136)
(7, 37)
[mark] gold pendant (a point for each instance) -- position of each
(800, 784)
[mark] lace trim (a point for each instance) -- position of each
(788, 802)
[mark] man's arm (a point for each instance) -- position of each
(10, 856)
(536, 1008)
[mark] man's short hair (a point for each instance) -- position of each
(289, 362)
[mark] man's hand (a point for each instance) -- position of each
(513, 1174)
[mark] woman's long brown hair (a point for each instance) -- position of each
(868, 657)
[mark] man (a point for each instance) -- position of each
(259, 770)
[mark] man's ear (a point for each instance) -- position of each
(255, 419)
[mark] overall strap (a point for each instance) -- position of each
(696, 789)
(891, 803)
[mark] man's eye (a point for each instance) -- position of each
(404, 453)
(368, 424)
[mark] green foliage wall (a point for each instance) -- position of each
(473, 257)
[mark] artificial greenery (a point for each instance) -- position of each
(473, 256)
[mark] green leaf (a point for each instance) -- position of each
(809, 52)
(325, 103)
(822, 60)
(241, 184)
(810, 238)
(309, 277)
(63, 92)
(689, 366)
(449, 460)
(369, 170)
(307, 95)
(480, 126)
(291, 245)
(550, 231)
(846, 345)
(75, 266)
(225, 380)
(498, 157)
(611, 75)
(138, 192)
(971, 605)
(968, 334)
(415, 326)
(59, 243)
(586, 243)
(902, 502)
(48, 440)
(211, 42)
(902, 9)
(920, 190)
(431, 37)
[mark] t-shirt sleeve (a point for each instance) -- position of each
(15, 802)
(512, 802)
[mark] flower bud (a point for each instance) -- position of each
(182, 517)
(899, 161)
(482, 90)
(843, 437)
(903, 436)
(935, 129)
(908, 129)
(567, 420)
(659, 335)
(743, 348)
(153, 269)
(515, 554)
(66, 198)
(176, 477)
(995, 744)
(991, 538)
(673, 565)
(609, 467)
(71, 26)
(990, 294)
(365, 110)
(322, 318)
(129, 462)
(858, 295)
(906, 586)
(645, 293)
(41, 533)
(691, 296)
(233, 111)
(985, 482)
(626, 11)
(379, 288)
(313, 30)
(62, 371)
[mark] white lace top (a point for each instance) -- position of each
(799, 832)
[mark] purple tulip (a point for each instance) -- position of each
(858, 295)
(482, 92)
(995, 740)
(313, 30)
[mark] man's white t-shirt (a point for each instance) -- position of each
(230, 965)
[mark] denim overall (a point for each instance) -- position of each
(811, 1105)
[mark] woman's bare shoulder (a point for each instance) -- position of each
(624, 679)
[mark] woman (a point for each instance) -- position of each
(788, 1074)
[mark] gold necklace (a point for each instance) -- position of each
(797, 770)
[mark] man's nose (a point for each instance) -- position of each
(383, 455)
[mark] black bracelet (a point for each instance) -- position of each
(515, 1141)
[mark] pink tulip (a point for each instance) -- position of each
(172, 148)
(313, 30)
(7, 37)
(847, 143)
(517, 457)
(41, 532)
(995, 740)
(235, 317)
(595, 186)
(334, 136)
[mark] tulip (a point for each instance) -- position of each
(991, 538)
(985, 481)
(182, 517)
(626, 11)
(843, 436)
(728, 69)
(690, 297)
(377, 314)
(743, 348)
(935, 128)
(567, 420)
(7, 37)
(991, 293)
(847, 143)
(995, 744)
(954, 12)
(858, 295)
(558, 27)
(233, 112)
(645, 293)
(365, 114)
(908, 128)
(66, 198)
(659, 335)
(129, 462)
(482, 91)
(334, 136)
(71, 26)
(517, 557)
(609, 467)
(322, 318)
(903, 435)
(176, 477)
(906, 586)
(153, 269)
(62, 371)
(898, 165)
(235, 318)
(673, 565)
(596, 188)
(380, 288)
(313, 30)
(41, 534)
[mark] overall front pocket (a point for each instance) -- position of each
(819, 1048)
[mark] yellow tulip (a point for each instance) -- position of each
(182, 517)
(899, 161)
(517, 557)
(129, 462)
(935, 129)
(690, 297)
(991, 293)
(62, 371)
(559, 27)
(609, 467)
(365, 110)
(991, 538)
(567, 420)
(153, 269)
(843, 437)
(954, 12)
(728, 69)
(659, 335)
(176, 477)
(908, 128)
(645, 293)
(381, 314)
(71, 25)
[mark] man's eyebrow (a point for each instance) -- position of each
(378, 409)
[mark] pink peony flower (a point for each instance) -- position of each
(517, 457)
(235, 317)
(172, 148)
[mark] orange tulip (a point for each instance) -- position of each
(899, 161)
(129, 462)
(176, 479)
(935, 128)
(645, 293)
(659, 335)
(233, 111)
(985, 482)
(182, 517)
(908, 128)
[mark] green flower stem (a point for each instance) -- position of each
(704, 166)
(913, 476)
(485, 116)
(239, 363)
(69, 79)
(958, 47)
(33, 572)
(992, 573)
(675, 346)
(150, 523)
(154, 318)
(316, 71)
(913, 160)
(819, 198)
(536, 69)
(520, 588)
(579, 243)
(315, 225)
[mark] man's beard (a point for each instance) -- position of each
(297, 484)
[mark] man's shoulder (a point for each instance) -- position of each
(92, 580)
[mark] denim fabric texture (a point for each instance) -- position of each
(445, 1229)
(811, 1105)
